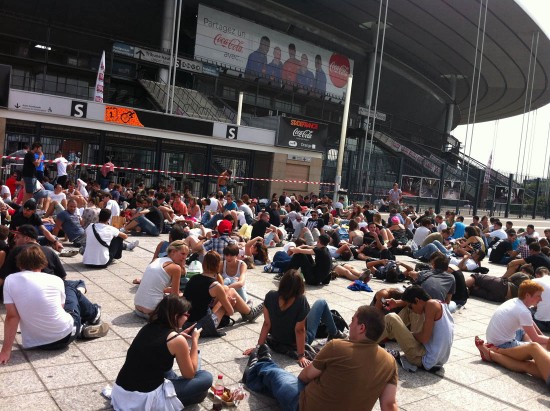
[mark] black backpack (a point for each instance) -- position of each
(339, 321)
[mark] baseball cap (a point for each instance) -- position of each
(395, 219)
(225, 227)
(26, 230)
(30, 204)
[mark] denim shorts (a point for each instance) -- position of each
(517, 341)
(29, 184)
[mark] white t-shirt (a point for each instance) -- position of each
(420, 235)
(441, 227)
(58, 197)
(500, 234)
(470, 264)
(43, 319)
(114, 207)
(507, 319)
(95, 253)
(337, 205)
(213, 206)
(543, 307)
(61, 166)
(6, 190)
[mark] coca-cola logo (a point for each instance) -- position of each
(233, 44)
(302, 133)
(339, 70)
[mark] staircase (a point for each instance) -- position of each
(187, 102)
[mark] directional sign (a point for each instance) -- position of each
(152, 56)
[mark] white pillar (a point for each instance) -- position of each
(341, 149)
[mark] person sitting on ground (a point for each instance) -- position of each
(58, 304)
(339, 369)
(27, 215)
(458, 227)
(147, 371)
(429, 346)
(541, 313)
(70, 223)
(496, 234)
(355, 234)
(512, 324)
(471, 243)
(262, 228)
(399, 231)
(373, 245)
(505, 251)
(425, 253)
(290, 324)
(104, 243)
(469, 261)
(218, 243)
(211, 300)
(530, 232)
(315, 271)
(58, 201)
(536, 259)
(234, 271)
(498, 289)
(161, 276)
(147, 219)
(281, 259)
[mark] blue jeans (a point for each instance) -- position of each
(266, 377)
(318, 312)
(147, 226)
(191, 391)
(427, 251)
(223, 189)
(212, 223)
(241, 291)
(518, 340)
(77, 305)
(281, 260)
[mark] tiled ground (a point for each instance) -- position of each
(72, 379)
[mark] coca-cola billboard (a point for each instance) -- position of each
(301, 134)
(259, 52)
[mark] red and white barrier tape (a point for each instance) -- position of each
(147, 170)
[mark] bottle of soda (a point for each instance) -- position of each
(218, 391)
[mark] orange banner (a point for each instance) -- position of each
(122, 115)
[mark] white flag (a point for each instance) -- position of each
(98, 94)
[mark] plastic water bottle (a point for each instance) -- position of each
(218, 391)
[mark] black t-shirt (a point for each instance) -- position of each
(29, 168)
(500, 251)
(538, 260)
(155, 216)
(323, 262)
(197, 291)
(54, 267)
(274, 217)
(369, 239)
(259, 228)
(147, 360)
(283, 322)
(318, 223)
(18, 219)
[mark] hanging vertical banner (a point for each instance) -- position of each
(98, 93)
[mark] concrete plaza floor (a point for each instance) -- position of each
(72, 379)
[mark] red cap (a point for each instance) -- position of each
(225, 227)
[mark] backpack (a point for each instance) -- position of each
(390, 273)
(339, 321)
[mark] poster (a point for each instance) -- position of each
(259, 52)
(501, 194)
(302, 134)
(410, 186)
(451, 190)
(517, 196)
(429, 188)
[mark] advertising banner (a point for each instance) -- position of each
(302, 134)
(517, 196)
(451, 190)
(501, 194)
(429, 188)
(98, 93)
(260, 52)
(410, 185)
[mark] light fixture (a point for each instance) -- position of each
(42, 47)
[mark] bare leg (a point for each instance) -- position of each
(527, 358)
(344, 272)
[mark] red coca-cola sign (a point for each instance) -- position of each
(339, 70)
(232, 44)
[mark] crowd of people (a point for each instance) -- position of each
(197, 281)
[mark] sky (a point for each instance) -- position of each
(507, 156)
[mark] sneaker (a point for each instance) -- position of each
(95, 330)
(394, 353)
(68, 253)
(130, 246)
(254, 313)
(365, 277)
(81, 250)
(97, 316)
(338, 336)
(278, 277)
(268, 268)
(280, 244)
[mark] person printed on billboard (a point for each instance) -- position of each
(275, 68)
(320, 83)
(304, 77)
(257, 60)
(291, 66)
